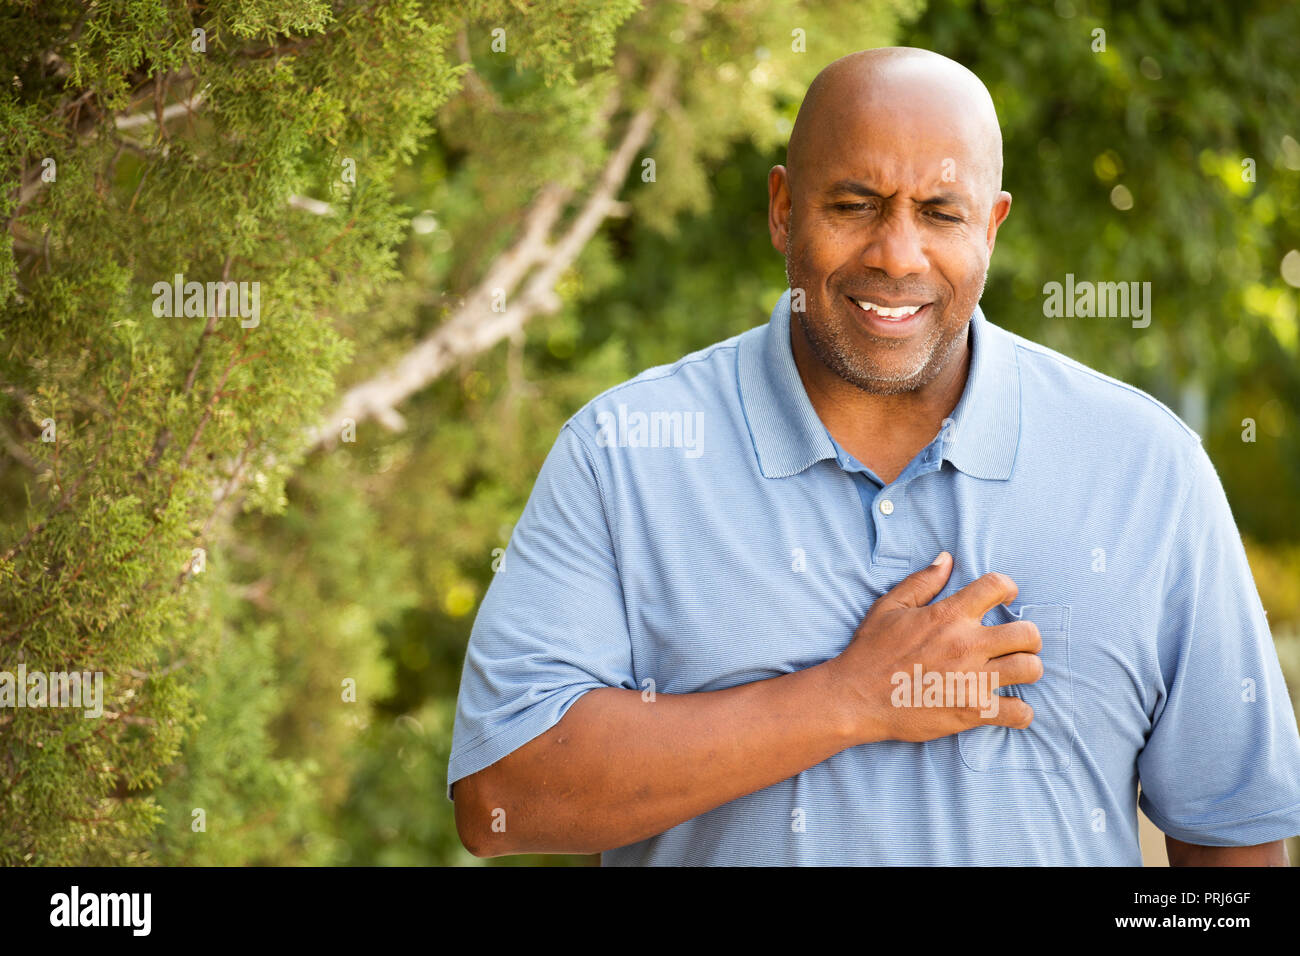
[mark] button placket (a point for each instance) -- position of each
(890, 519)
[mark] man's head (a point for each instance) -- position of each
(891, 195)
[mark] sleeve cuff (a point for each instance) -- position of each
(1278, 824)
(487, 749)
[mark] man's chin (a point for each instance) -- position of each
(893, 366)
(885, 385)
(893, 375)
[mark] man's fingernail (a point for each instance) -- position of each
(939, 559)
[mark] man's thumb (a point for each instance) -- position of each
(920, 587)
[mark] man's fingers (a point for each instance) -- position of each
(920, 587)
(982, 595)
(1012, 712)
(1010, 638)
(1019, 668)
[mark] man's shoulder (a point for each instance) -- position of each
(691, 383)
(1054, 383)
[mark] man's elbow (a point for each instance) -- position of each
(474, 820)
(480, 816)
(470, 837)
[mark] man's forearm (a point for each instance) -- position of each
(1192, 854)
(618, 769)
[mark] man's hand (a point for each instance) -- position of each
(903, 629)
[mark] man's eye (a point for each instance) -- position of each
(943, 218)
(851, 206)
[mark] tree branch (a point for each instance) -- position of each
(474, 327)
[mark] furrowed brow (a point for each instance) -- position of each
(943, 199)
(856, 188)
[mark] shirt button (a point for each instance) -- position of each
(886, 507)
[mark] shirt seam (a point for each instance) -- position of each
(1168, 550)
(1020, 411)
(613, 528)
(1025, 345)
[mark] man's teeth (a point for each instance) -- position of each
(902, 312)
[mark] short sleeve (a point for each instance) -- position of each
(1221, 765)
(552, 625)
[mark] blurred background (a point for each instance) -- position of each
(467, 220)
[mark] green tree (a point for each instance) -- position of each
(143, 141)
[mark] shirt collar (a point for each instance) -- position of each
(789, 436)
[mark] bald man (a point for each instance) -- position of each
(720, 634)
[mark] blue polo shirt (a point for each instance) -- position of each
(698, 527)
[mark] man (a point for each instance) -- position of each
(718, 637)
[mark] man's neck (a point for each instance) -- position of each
(884, 432)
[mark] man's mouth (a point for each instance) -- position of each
(892, 319)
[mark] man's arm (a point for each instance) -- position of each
(617, 769)
(1221, 763)
(1190, 854)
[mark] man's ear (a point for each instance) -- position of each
(1001, 206)
(778, 207)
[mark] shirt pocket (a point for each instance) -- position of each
(1047, 743)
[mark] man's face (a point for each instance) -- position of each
(894, 207)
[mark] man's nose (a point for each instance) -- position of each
(895, 248)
